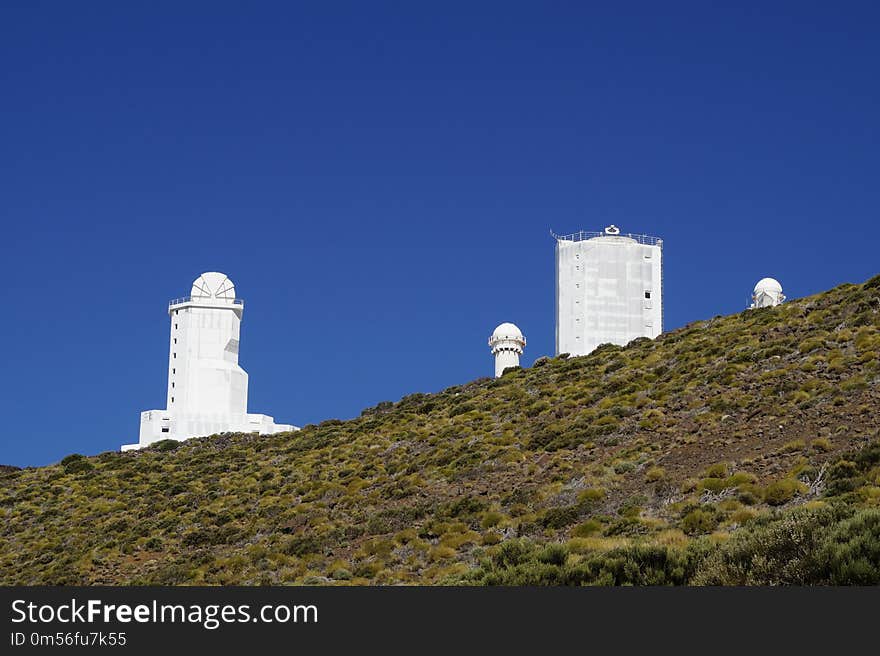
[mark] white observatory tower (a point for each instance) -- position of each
(609, 289)
(767, 293)
(507, 344)
(207, 390)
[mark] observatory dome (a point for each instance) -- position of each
(768, 285)
(213, 284)
(507, 331)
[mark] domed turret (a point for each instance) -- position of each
(767, 293)
(507, 343)
(507, 331)
(213, 285)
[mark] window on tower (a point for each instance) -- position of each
(647, 294)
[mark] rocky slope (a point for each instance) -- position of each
(742, 449)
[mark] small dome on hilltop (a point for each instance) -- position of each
(768, 285)
(507, 331)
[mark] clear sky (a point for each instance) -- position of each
(379, 180)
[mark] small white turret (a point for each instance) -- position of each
(507, 344)
(767, 293)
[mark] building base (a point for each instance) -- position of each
(158, 425)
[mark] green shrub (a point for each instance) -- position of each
(490, 519)
(821, 444)
(368, 569)
(713, 484)
(560, 517)
(72, 458)
(553, 554)
(591, 494)
(635, 565)
(774, 551)
(165, 445)
(718, 470)
(781, 491)
(153, 544)
(301, 545)
(850, 553)
(699, 521)
(624, 467)
(76, 463)
(791, 447)
(843, 476)
(655, 474)
(873, 283)
(586, 529)
(466, 507)
(512, 553)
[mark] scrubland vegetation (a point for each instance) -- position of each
(738, 450)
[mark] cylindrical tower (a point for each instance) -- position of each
(507, 344)
(767, 293)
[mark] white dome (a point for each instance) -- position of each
(768, 285)
(507, 331)
(213, 284)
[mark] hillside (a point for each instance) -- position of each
(742, 449)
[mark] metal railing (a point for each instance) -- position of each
(189, 299)
(583, 235)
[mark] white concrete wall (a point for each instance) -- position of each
(505, 358)
(204, 378)
(601, 289)
(766, 299)
(207, 389)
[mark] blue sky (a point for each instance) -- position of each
(380, 179)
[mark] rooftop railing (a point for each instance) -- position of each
(206, 299)
(583, 235)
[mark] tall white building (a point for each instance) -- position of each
(609, 289)
(507, 343)
(767, 293)
(207, 389)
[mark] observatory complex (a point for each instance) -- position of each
(507, 343)
(609, 289)
(207, 389)
(767, 293)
